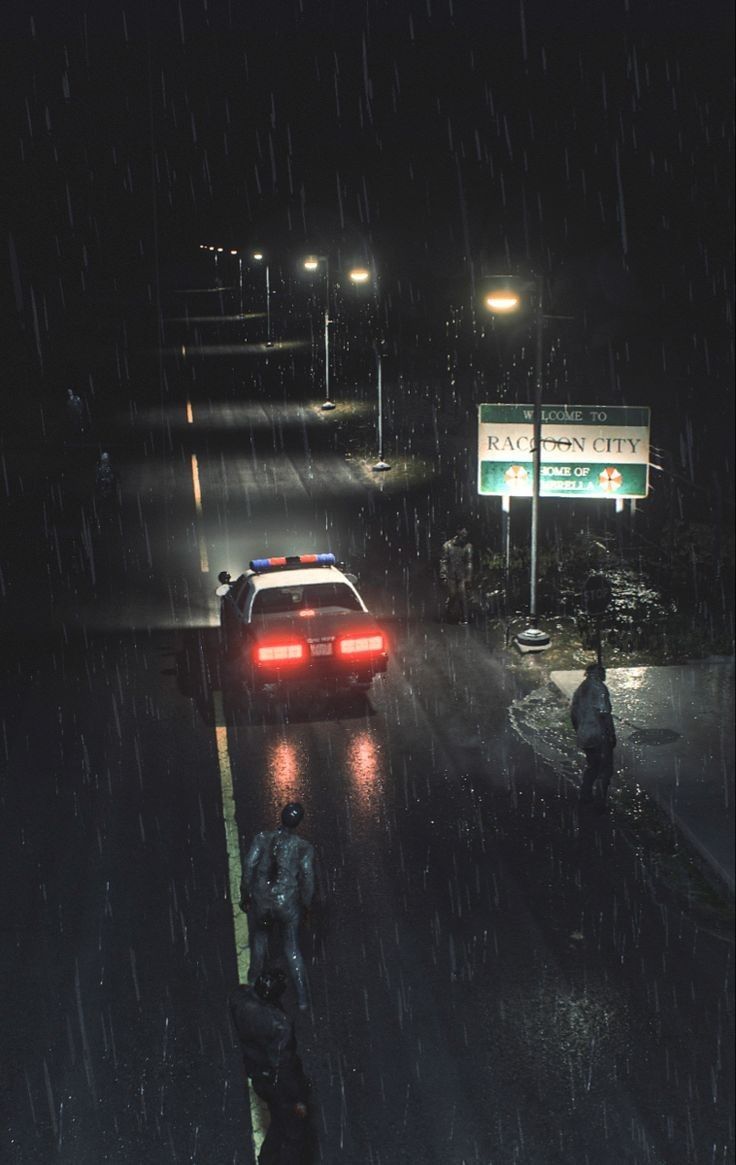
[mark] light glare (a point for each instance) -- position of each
(502, 301)
(280, 652)
(367, 643)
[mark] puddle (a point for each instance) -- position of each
(542, 720)
(654, 736)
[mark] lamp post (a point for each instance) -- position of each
(259, 258)
(503, 301)
(361, 276)
(313, 263)
(380, 465)
(213, 252)
(240, 279)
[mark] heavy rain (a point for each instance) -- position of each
(366, 772)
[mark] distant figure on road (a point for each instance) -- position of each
(76, 413)
(456, 575)
(592, 720)
(106, 486)
(105, 477)
(278, 884)
(268, 1045)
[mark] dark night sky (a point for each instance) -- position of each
(591, 139)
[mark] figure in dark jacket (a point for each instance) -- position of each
(277, 887)
(592, 720)
(268, 1044)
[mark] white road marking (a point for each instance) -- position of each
(235, 874)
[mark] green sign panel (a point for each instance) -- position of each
(594, 451)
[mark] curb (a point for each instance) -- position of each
(714, 872)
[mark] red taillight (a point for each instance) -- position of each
(280, 653)
(361, 645)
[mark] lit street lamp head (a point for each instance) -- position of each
(359, 275)
(257, 255)
(311, 263)
(502, 301)
(506, 294)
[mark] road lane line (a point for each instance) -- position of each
(235, 874)
(190, 415)
(203, 559)
(196, 485)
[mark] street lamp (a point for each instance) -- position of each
(312, 263)
(504, 299)
(380, 465)
(258, 257)
(361, 276)
(240, 280)
(218, 277)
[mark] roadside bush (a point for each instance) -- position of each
(671, 597)
(637, 616)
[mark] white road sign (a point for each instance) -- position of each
(594, 451)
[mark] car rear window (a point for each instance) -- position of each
(280, 600)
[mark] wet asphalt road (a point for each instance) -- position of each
(494, 980)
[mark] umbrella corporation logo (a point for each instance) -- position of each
(516, 475)
(591, 451)
(609, 480)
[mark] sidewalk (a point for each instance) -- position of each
(691, 777)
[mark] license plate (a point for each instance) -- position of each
(321, 648)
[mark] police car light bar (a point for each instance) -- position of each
(260, 565)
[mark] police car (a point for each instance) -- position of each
(298, 621)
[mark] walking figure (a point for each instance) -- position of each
(268, 1044)
(76, 412)
(107, 490)
(592, 720)
(105, 478)
(456, 574)
(277, 886)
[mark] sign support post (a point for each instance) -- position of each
(532, 639)
(506, 539)
(537, 456)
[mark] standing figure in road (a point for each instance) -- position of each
(278, 884)
(107, 491)
(105, 478)
(270, 1059)
(76, 413)
(456, 575)
(592, 720)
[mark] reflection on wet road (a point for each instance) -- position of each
(492, 979)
